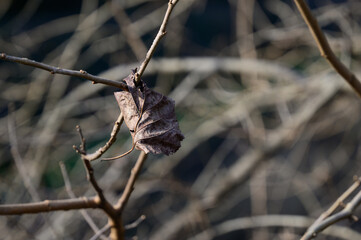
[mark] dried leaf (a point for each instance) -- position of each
(150, 118)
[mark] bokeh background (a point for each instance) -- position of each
(272, 133)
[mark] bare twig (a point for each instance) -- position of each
(90, 173)
(71, 194)
(114, 220)
(49, 205)
(325, 48)
(130, 184)
(66, 180)
(340, 201)
(121, 155)
(326, 219)
(133, 143)
(135, 223)
(100, 232)
(94, 183)
(113, 136)
(53, 70)
(156, 40)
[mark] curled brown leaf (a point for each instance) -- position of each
(150, 118)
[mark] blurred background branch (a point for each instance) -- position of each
(272, 132)
(327, 219)
(325, 48)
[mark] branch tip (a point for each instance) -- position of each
(354, 218)
(135, 223)
(77, 150)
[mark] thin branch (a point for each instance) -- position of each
(340, 201)
(49, 206)
(130, 184)
(133, 143)
(114, 220)
(321, 224)
(121, 155)
(135, 223)
(66, 180)
(90, 174)
(160, 35)
(101, 231)
(113, 137)
(325, 48)
(53, 70)
(71, 194)
(94, 183)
